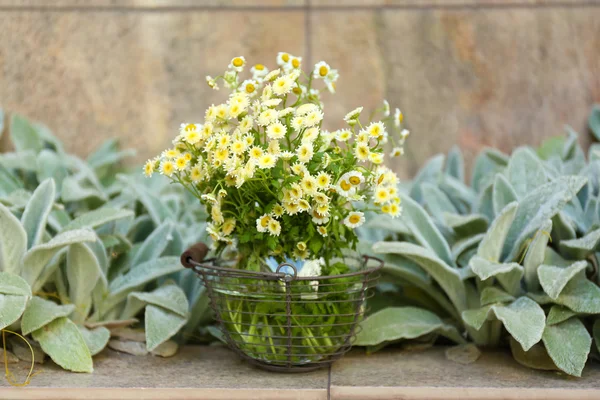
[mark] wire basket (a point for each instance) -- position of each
(281, 321)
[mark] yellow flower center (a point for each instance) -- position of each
(297, 91)
(190, 127)
(354, 219)
(250, 88)
(323, 180)
(400, 117)
(285, 57)
(345, 185)
(323, 71)
(259, 67)
(355, 180)
(264, 221)
(363, 151)
(238, 62)
(385, 208)
(295, 63)
(381, 177)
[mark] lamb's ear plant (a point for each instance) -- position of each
(511, 259)
(83, 254)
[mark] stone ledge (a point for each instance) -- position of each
(200, 373)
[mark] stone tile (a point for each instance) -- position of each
(94, 75)
(57, 4)
(397, 374)
(448, 3)
(194, 373)
(473, 78)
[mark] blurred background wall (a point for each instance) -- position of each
(469, 72)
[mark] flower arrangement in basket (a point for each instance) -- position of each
(286, 195)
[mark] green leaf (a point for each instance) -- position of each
(96, 339)
(596, 332)
(396, 323)
(594, 121)
(13, 241)
(37, 257)
(40, 312)
(465, 245)
(36, 212)
(64, 343)
(492, 295)
(554, 279)
(161, 325)
(455, 165)
(96, 218)
(537, 207)
(73, 190)
(437, 202)
(83, 271)
(447, 277)
(430, 172)
(24, 135)
(485, 269)
(568, 344)
(155, 244)
(157, 210)
(466, 225)
(524, 319)
(484, 204)
(502, 193)
(558, 314)
(581, 296)
(487, 164)
(14, 284)
(143, 273)
(11, 308)
(168, 296)
(490, 247)
(26, 161)
(525, 172)
(424, 230)
(582, 247)
(536, 357)
(536, 252)
(50, 165)
(108, 154)
(460, 194)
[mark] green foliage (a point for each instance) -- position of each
(527, 282)
(82, 239)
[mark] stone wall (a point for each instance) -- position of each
(469, 72)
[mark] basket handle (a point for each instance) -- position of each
(195, 253)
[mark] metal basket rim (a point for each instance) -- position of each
(282, 275)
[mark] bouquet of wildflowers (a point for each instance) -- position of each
(277, 185)
(279, 188)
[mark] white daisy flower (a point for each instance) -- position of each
(321, 70)
(286, 155)
(271, 103)
(276, 130)
(354, 219)
(343, 135)
(398, 118)
(237, 63)
(386, 108)
(397, 151)
(285, 112)
(352, 116)
(248, 86)
(283, 58)
(262, 223)
(376, 129)
(404, 134)
(272, 75)
(305, 152)
(282, 85)
(274, 227)
(259, 71)
(305, 109)
(212, 83)
(267, 117)
(313, 118)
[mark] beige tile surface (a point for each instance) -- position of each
(449, 3)
(194, 373)
(398, 374)
(501, 78)
(134, 75)
(57, 4)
